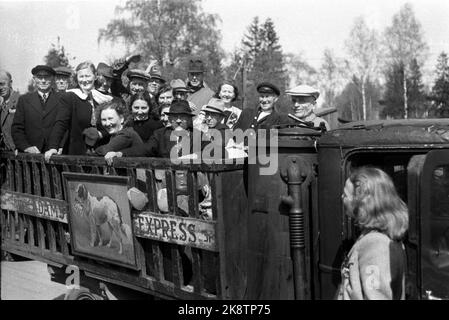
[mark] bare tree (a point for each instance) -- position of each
(363, 49)
(332, 76)
(404, 41)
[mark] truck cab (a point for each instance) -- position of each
(415, 153)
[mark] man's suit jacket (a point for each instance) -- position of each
(34, 120)
(7, 111)
(248, 120)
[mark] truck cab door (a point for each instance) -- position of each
(429, 222)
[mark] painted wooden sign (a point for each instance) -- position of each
(41, 207)
(180, 230)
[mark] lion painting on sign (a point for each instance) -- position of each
(100, 211)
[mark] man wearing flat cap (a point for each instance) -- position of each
(36, 113)
(104, 78)
(200, 93)
(156, 80)
(62, 78)
(264, 116)
(303, 104)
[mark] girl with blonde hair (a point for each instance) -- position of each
(375, 266)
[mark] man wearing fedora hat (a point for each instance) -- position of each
(303, 104)
(214, 112)
(264, 116)
(200, 93)
(62, 78)
(36, 113)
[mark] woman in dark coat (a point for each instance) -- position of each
(145, 118)
(77, 113)
(114, 117)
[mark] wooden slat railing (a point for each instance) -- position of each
(167, 267)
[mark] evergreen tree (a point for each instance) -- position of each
(393, 99)
(415, 93)
(57, 56)
(440, 90)
(264, 60)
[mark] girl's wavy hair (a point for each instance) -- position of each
(376, 204)
(81, 66)
(145, 96)
(162, 89)
(119, 106)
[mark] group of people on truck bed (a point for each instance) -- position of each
(102, 116)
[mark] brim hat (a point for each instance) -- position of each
(180, 107)
(267, 87)
(137, 73)
(214, 106)
(178, 85)
(155, 73)
(303, 91)
(196, 65)
(63, 71)
(38, 68)
(105, 70)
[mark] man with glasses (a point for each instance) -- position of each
(200, 93)
(304, 101)
(36, 113)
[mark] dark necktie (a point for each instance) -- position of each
(44, 97)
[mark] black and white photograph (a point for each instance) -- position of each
(211, 150)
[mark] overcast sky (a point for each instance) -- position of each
(304, 26)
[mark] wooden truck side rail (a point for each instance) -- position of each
(34, 223)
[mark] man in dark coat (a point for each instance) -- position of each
(200, 93)
(8, 104)
(36, 113)
(264, 116)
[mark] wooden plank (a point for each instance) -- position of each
(192, 186)
(9, 177)
(198, 284)
(40, 234)
(57, 185)
(21, 228)
(62, 239)
(152, 190)
(27, 178)
(37, 179)
(170, 184)
(132, 177)
(51, 236)
(30, 226)
(19, 176)
(178, 277)
(41, 207)
(12, 226)
(158, 261)
(174, 229)
(46, 179)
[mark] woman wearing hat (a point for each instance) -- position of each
(77, 113)
(145, 118)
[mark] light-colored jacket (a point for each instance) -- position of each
(374, 269)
